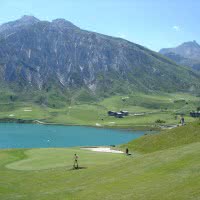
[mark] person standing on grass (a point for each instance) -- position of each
(182, 121)
(127, 152)
(75, 161)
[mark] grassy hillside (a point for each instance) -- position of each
(166, 139)
(145, 110)
(46, 174)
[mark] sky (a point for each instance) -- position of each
(154, 24)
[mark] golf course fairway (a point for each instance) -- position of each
(47, 174)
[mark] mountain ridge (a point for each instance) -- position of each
(188, 54)
(43, 56)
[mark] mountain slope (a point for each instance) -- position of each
(43, 56)
(187, 54)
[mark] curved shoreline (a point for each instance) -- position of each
(36, 121)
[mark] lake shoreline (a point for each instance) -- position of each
(127, 128)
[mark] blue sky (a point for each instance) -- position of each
(151, 23)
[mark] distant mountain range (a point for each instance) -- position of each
(187, 54)
(44, 57)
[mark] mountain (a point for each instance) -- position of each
(61, 59)
(187, 54)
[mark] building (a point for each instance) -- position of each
(119, 115)
(195, 114)
(112, 113)
(125, 113)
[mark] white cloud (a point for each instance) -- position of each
(176, 28)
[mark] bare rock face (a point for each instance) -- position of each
(35, 54)
(187, 54)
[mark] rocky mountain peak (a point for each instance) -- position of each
(188, 53)
(62, 23)
(27, 19)
(38, 55)
(190, 44)
(23, 21)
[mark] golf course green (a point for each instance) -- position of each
(169, 171)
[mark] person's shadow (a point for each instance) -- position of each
(77, 168)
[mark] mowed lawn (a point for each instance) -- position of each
(46, 174)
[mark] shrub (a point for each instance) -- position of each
(159, 121)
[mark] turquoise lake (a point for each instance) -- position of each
(14, 135)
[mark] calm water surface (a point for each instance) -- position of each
(34, 135)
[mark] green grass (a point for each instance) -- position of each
(38, 159)
(165, 173)
(163, 106)
(166, 139)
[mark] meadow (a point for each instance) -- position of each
(169, 171)
(144, 109)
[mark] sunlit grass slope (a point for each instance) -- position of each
(166, 139)
(169, 173)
